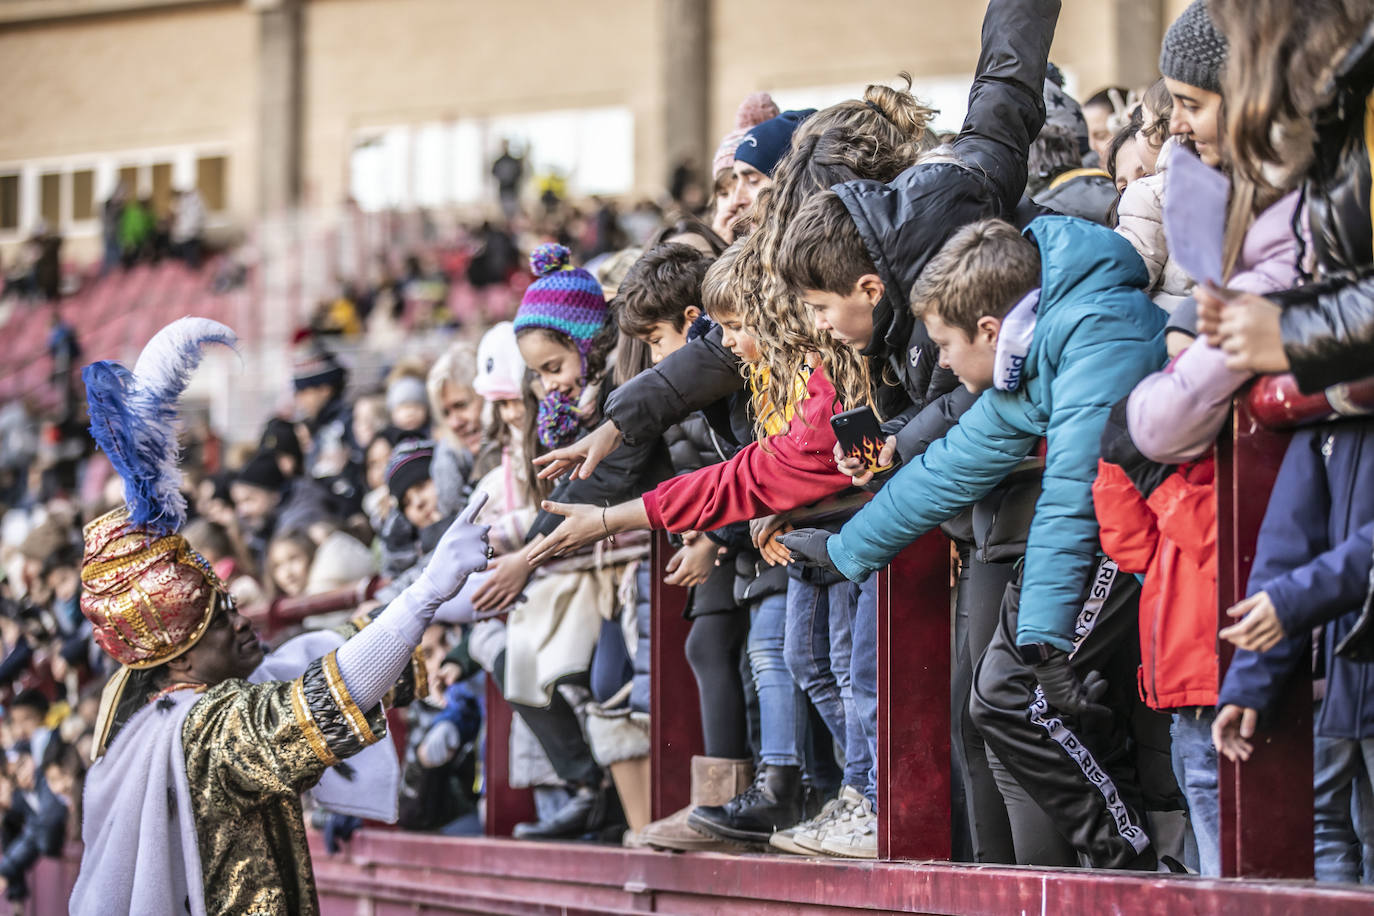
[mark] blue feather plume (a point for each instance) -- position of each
(134, 418)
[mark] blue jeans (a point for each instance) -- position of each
(1344, 821)
(819, 650)
(1195, 768)
(863, 675)
(782, 707)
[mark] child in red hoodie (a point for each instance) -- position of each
(1160, 521)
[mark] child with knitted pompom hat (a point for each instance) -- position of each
(564, 336)
(573, 619)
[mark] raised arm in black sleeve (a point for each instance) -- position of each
(1006, 106)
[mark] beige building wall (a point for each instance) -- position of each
(376, 63)
(132, 83)
(173, 76)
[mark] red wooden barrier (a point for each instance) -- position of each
(504, 806)
(1266, 803)
(913, 702)
(674, 710)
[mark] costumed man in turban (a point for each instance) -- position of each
(205, 746)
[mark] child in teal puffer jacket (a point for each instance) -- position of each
(1051, 328)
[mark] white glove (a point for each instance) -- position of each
(462, 551)
(374, 658)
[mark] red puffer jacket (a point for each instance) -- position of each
(795, 468)
(1171, 538)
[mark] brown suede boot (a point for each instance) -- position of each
(715, 780)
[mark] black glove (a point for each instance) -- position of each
(1067, 694)
(339, 830)
(1118, 449)
(808, 547)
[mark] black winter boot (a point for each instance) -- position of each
(590, 810)
(773, 802)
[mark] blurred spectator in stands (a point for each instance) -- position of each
(407, 405)
(111, 219)
(188, 227)
(508, 170)
(553, 188)
(319, 380)
(136, 227)
(684, 186)
(455, 404)
(46, 243)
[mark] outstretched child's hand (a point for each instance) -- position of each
(582, 524)
(692, 564)
(1232, 730)
(507, 577)
(858, 469)
(582, 457)
(1259, 630)
(764, 532)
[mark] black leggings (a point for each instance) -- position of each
(715, 645)
(977, 609)
(556, 728)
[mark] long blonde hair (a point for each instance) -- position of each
(875, 138)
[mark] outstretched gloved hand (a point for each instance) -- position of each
(808, 546)
(462, 551)
(1070, 696)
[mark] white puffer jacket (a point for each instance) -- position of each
(1140, 219)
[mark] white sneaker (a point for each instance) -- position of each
(857, 837)
(805, 838)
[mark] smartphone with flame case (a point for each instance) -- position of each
(860, 437)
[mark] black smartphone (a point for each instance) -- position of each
(860, 437)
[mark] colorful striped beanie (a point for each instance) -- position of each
(564, 298)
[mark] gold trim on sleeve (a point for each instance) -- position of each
(313, 736)
(344, 700)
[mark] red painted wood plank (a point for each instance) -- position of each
(674, 711)
(505, 806)
(506, 876)
(913, 702)
(1260, 838)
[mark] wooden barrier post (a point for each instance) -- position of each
(913, 702)
(505, 806)
(1266, 803)
(675, 713)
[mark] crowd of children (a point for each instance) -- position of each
(1049, 383)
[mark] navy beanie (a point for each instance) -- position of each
(767, 143)
(409, 465)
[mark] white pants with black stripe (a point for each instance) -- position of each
(1084, 780)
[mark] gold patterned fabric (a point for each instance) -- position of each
(251, 749)
(148, 598)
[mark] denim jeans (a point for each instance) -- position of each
(819, 650)
(782, 707)
(1195, 768)
(863, 675)
(1344, 823)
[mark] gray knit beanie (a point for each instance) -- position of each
(1194, 51)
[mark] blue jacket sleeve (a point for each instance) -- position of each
(1330, 585)
(1294, 531)
(1099, 365)
(953, 474)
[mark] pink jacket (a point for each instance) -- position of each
(1174, 415)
